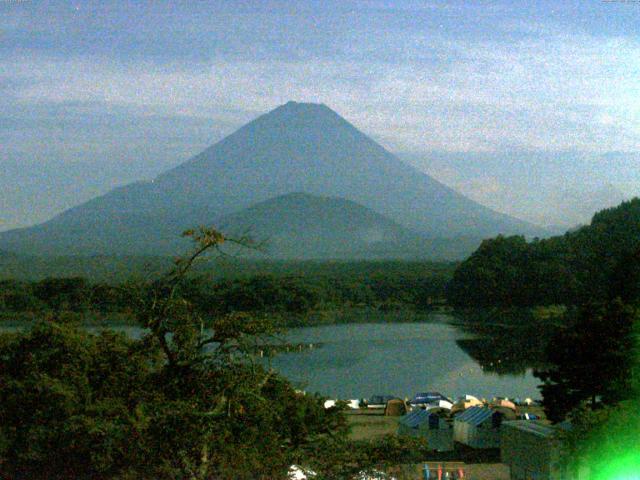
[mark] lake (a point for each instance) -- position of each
(357, 360)
(364, 359)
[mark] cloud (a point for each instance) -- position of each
(556, 93)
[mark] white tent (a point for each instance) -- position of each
(298, 473)
(329, 403)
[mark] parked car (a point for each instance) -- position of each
(428, 399)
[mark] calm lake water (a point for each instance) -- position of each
(357, 360)
(360, 360)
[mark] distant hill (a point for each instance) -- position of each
(303, 226)
(295, 148)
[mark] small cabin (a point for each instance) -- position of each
(437, 430)
(478, 427)
(532, 450)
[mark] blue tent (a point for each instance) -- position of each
(428, 398)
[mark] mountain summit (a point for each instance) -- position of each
(298, 147)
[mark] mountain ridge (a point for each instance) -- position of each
(299, 226)
(298, 147)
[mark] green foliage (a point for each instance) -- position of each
(184, 401)
(596, 262)
(66, 402)
(319, 287)
(605, 441)
(63, 293)
(591, 360)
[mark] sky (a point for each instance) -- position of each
(99, 94)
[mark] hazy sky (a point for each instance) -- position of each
(96, 94)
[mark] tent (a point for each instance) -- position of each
(478, 427)
(505, 407)
(395, 408)
(428, 398)
(441, 404)
(462, 404)
(435, 428)
(503, 403)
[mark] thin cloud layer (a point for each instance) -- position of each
(577, 92)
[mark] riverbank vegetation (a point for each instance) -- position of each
(594, 263)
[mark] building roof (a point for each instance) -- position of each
(475, 415)
(418, 417)
(536, 428)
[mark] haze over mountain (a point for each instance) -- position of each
(297, 147)
(552, 189)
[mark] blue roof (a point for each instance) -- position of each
(415, 418)
(418, 417)
(475, 415)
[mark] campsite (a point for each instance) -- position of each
(485, 463)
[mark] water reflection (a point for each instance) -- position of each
(440, 353)
(506, 344)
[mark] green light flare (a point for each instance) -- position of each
(624, 467)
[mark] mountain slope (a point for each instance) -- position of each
(295, 148)
(302, 226)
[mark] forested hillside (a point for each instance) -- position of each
(587, 264)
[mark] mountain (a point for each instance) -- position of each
(297, 147)
(580, 206)
(303, 226)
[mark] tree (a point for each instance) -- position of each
(591, 360)
(606, 440)
(187, 400)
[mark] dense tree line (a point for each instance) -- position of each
(590, 359)
(593, 380)
(598, 261)
(259, 293)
